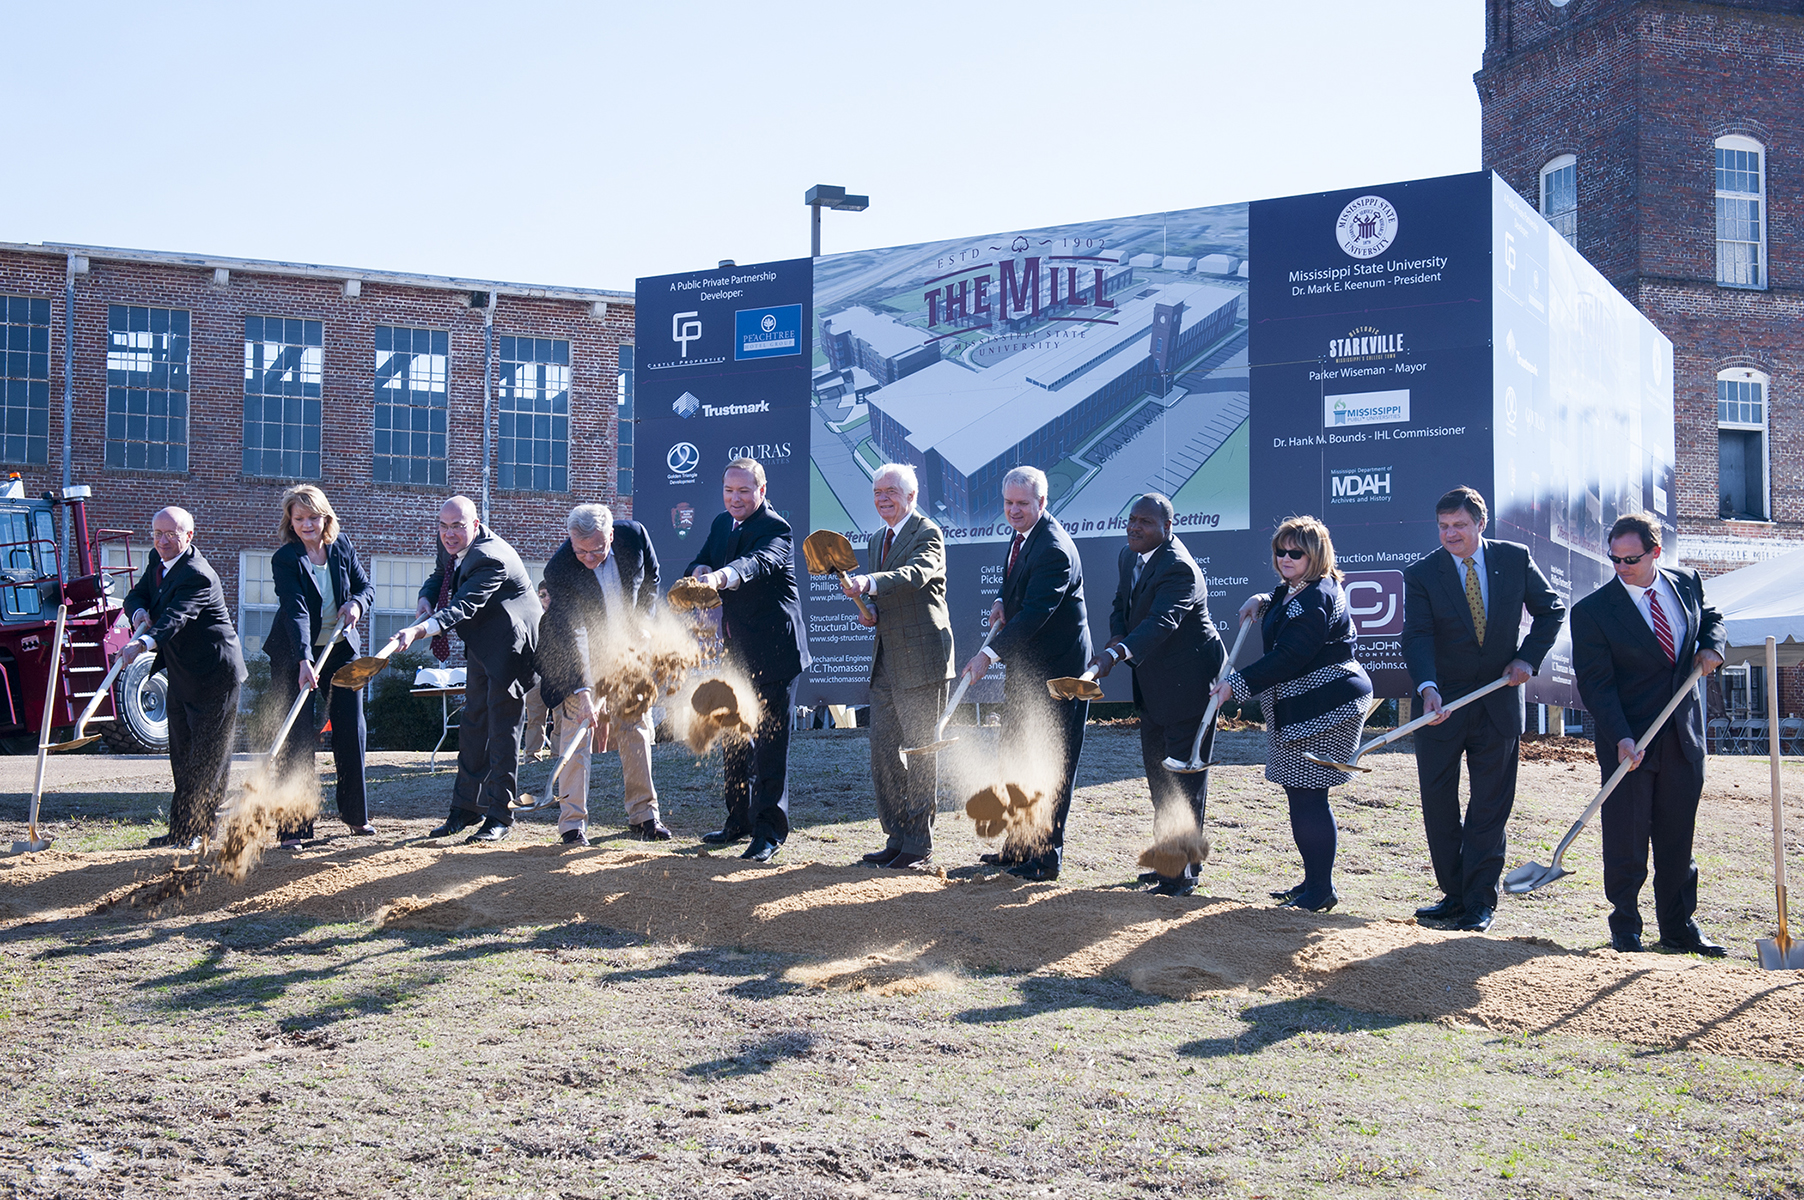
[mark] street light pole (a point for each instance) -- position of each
(826, 195)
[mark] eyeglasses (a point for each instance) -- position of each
(1292, 554)
(166, 535)
(1631, 560)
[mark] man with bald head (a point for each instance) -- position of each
(491, 602)
(178, 612)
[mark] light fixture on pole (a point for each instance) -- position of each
(825, 195)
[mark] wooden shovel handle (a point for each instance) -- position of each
(845, 581)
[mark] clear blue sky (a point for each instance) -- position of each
(589, 143)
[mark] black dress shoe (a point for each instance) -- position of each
(1036, 870)
(1691, 940)
(174, 841)
(573, 837)
(726, 835)
(1477, 920)
(902, 860)
(459, 820)
(1169, 886)
(878, 858)
(1447, 909)
(1625, 943)
(491, 831)
(364, 830)
(760, 850)
(1288, 893)
(653, 830)
(1148, 877)
(1302, 902)
(1004, 859)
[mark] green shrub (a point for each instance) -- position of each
(399, 720)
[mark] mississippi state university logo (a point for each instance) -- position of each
(1366, 227)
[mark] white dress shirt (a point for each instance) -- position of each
(1669, 604)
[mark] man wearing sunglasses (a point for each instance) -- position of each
(1634, 643)
(1462, 629)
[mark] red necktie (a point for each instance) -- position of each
(1662, 630)
(1014, 552)
(441, 643)
(889, 539)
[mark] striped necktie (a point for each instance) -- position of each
(1662, 630)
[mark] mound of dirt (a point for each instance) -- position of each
(895, 930)
(1552, 748)
(1010, 811)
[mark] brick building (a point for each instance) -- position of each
(1665, 140)
(216, 383)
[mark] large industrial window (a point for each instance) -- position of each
(412, 375)
(257, 602)
(397, 582)
(534, 404)
(623, 462)
(283, 367)
(1741, 410)
(1740, 203)
(147, 388)
(25, 379)
(1559, 196)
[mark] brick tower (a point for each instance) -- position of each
(1665, 139)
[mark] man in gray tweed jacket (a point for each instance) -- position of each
(910, 663)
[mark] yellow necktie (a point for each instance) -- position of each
(1475, 600)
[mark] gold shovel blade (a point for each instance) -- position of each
(1071, 687)
(359, 671)
(690, 593)
(827, 552)
(72, 743)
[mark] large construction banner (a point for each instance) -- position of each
(1329, 354)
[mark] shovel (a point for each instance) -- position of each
(32, 841)
(690, 593)
(1403, 731)
(1078, 687)
(81, 737)
(1196, 763)
(1777, 953)
(294, 710)
(940, 740)
(1530, 876)
(830, 553)
(526, 801)
(360, 671)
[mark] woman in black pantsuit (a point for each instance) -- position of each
(1313, 693)
(318, 579)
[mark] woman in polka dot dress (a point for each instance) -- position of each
(1312, 691)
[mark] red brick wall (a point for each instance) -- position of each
(235, 512)
(1639, 90)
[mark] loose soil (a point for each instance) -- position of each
(392, 1015)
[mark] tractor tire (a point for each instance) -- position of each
(141, 702)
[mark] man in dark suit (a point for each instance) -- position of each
(602, 583)
(1462, 620)
(910, 664)
(1160, 627)
(1043, 635)
(495, 610)
(748, 556)
(1635, 641)
(178, 611)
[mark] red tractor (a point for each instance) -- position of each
(133, 719)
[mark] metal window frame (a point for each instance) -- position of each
(1554, 166)
(187, 442)
(376, 399)
(1764, 428)
(1741, 142)
(569, 414)
(49, 327)
(245, 341)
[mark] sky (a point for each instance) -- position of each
(587, 144)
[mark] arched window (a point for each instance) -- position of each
(1559, 195)
(1740, 212)
(1741, 445)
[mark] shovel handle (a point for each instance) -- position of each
(846, 581)
(100, 693)
(958, 693)
(1227, 664)
(55, 673)
(1772, 746)
(294, 710)
(1403, 731)
(1623, 768)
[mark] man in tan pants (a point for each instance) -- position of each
(602, 583)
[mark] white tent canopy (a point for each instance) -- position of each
(1761, 601)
